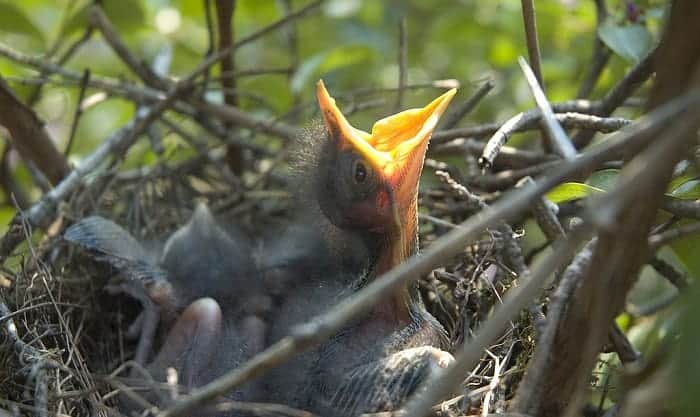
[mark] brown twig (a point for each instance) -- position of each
(656, 241)
(527, 121)
(616, 262)
(529, 393)
(100, 20)
(460, 110)
(601, 54)
(681, 208)
(403, 64)
(41, 213)
(559, 141)
(671, 274)
(617, 96)
(29, 137)
(225, 23)
(533, 45)
(78, 112)
(623, 347)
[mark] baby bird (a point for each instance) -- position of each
(356, 219)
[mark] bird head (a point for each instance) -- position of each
(370, 182)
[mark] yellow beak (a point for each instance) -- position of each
(397, 145)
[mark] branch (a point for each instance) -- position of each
(533, 45)
(224, 17)
(558, 139)
(601, 54)
(641, 187)
(41, 213)
(508, 156)
(99, 19)
(403, 64)
(617, 96)
(635, 175)
(29, 137)
(664, 238)
(529, 394)
(460, 110)
(513, 302)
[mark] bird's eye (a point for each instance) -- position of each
(359, 172)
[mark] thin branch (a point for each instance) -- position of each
(36, 92)
(513, 302)
(601, 54)
(560, 142)
(668, 271)
(460, 110)
(545, 215)
(681, 208)
(403, 64)
(527, 121)
(617, 95)
(78, 112)
(219, 55)
(533, 45)
(570, 116)
(508, 156)
(529, 393)
(225, 23)
(29, 136)
(664, 238)
(100, 20)
(41, 213)
(623, 347)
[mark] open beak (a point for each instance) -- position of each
(395, 148)
(397, 145)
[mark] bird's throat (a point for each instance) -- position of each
(399, 245)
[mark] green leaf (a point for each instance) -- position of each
(345, 56)
(604, 179)
(125, 15)
(340, 57)
(686, 190)
(631, 42)
(570, 191)
(686, 249)
(13, 19)
(306, 71)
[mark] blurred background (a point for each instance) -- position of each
(351, 44)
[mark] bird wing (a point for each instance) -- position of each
(384, 384)
(110, 243)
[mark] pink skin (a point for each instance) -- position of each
(190, 342)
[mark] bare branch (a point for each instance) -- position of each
(601, 53)
(403, 64)
(658, 240)
(533, 45)
(559, 140)
(529, 393)
(100, 20)
(460, 110)
(29, 137)
(617, 96)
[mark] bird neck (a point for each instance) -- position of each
(398, 244)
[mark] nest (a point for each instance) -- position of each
(68, 336)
